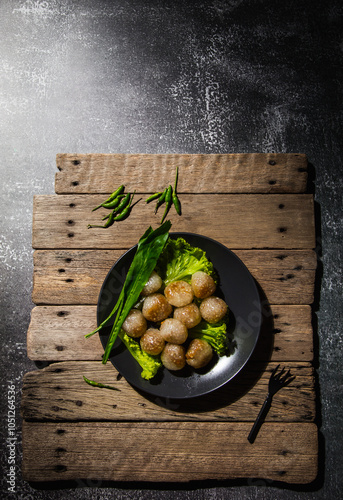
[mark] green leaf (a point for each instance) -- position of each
(148, 251)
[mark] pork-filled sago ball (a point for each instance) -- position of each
(203, 285)
(179, 293)
(152, 341)
(173, 331)
(153, 284)
(135, 324)
(213, 309)
(199, 353)
(188, 315)
(173, 356)
(156, 307)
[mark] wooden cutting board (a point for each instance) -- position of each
(255, 204)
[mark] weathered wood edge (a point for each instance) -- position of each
(198, 173)
(169, 452)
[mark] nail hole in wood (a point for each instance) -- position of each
(281, 206)
(55, 408)
(62, 313)
(276, 316)
(75, 183)
(290, 276)
(61, 450)
(298, 268)
(281, 257)
(57, 388)
(60, 468)
(282, 229)
(72, 205)
(71, 235)
(76, 162)
(272, 183)
(272, 162)
(59, 168)
(59, 348)
(78, 403)
(69, 280)
(58, 370)
(61, 270)
(60, 431)
(68, 259)
(71, 222)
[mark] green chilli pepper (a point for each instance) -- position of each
(114, 195)
(161, 200)
(123, 203)
(122, 215)
(108, 223)
(153, 197)
(176, 200)
(114, 202)
(99, 384)
(168, 200)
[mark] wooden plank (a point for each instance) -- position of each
(56, 333)
(198, 173)
(168, 451)
(241, 221)
(58, 392)
(76, 276)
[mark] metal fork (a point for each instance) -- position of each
(276, 382)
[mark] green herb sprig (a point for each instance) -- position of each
(148, 251)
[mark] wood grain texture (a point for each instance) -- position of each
(76, 276)
(244, 221)
(254, 204)
(168, 451)
(198, 173)
(59, 392)
(56, 333)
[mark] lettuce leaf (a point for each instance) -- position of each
(179, 260)
(215, 334)
(150, 364)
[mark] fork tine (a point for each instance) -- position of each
(289, 381)
(285, 377)
(279, 374)
(275, 370)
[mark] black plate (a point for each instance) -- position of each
(236, 286)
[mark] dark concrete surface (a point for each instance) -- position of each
(141, 76)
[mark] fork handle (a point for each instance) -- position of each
(260, 418)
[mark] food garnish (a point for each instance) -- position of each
(99, 384)
(119, 212)
(148, 251)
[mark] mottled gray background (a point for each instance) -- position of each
(161, 77)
